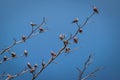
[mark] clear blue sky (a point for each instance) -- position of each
(101, 36)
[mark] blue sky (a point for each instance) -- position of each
(100, 36)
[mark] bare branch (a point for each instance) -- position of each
(80, 72)
(50, 61)
(66, 42)
(10, 76)
(24, 38)
(35, 30)
(13, 55)
(87, 19)
(86, 64)
(91, 74)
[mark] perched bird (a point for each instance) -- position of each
(9, 77)
(67, 49)
(35, 65)
(65, 42)
(41, 29)
(29, 65)
(61, 36)
(95, 10)
(23, 38)
(5, 58)
(25, 53)
(80, 30)
(32, 70)
(13, 54)
(75, 39)
(33, 24)
(75, 20)
(43, 63)
(53, 54)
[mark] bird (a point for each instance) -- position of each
(36, 65)
(43, 63)
(5, 58)
(13, 54)
(75, 39)
(25, 53)
(24, 38)
(53, 54)
(75, 20)
(67, 49)
(61, 36)
(29, 65)
(33, 24)
(95, 9)
(80, 30)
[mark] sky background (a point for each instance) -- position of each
(100, 36)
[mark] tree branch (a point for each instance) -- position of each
(66, 42)
(91, 74)
(31, 34)
(10, 76)
(86, 64)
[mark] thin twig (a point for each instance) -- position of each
(10, 76)
(91, 74)
(80, 71)
(87, 19)
(86, 64)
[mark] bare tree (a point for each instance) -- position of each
(37, 29)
